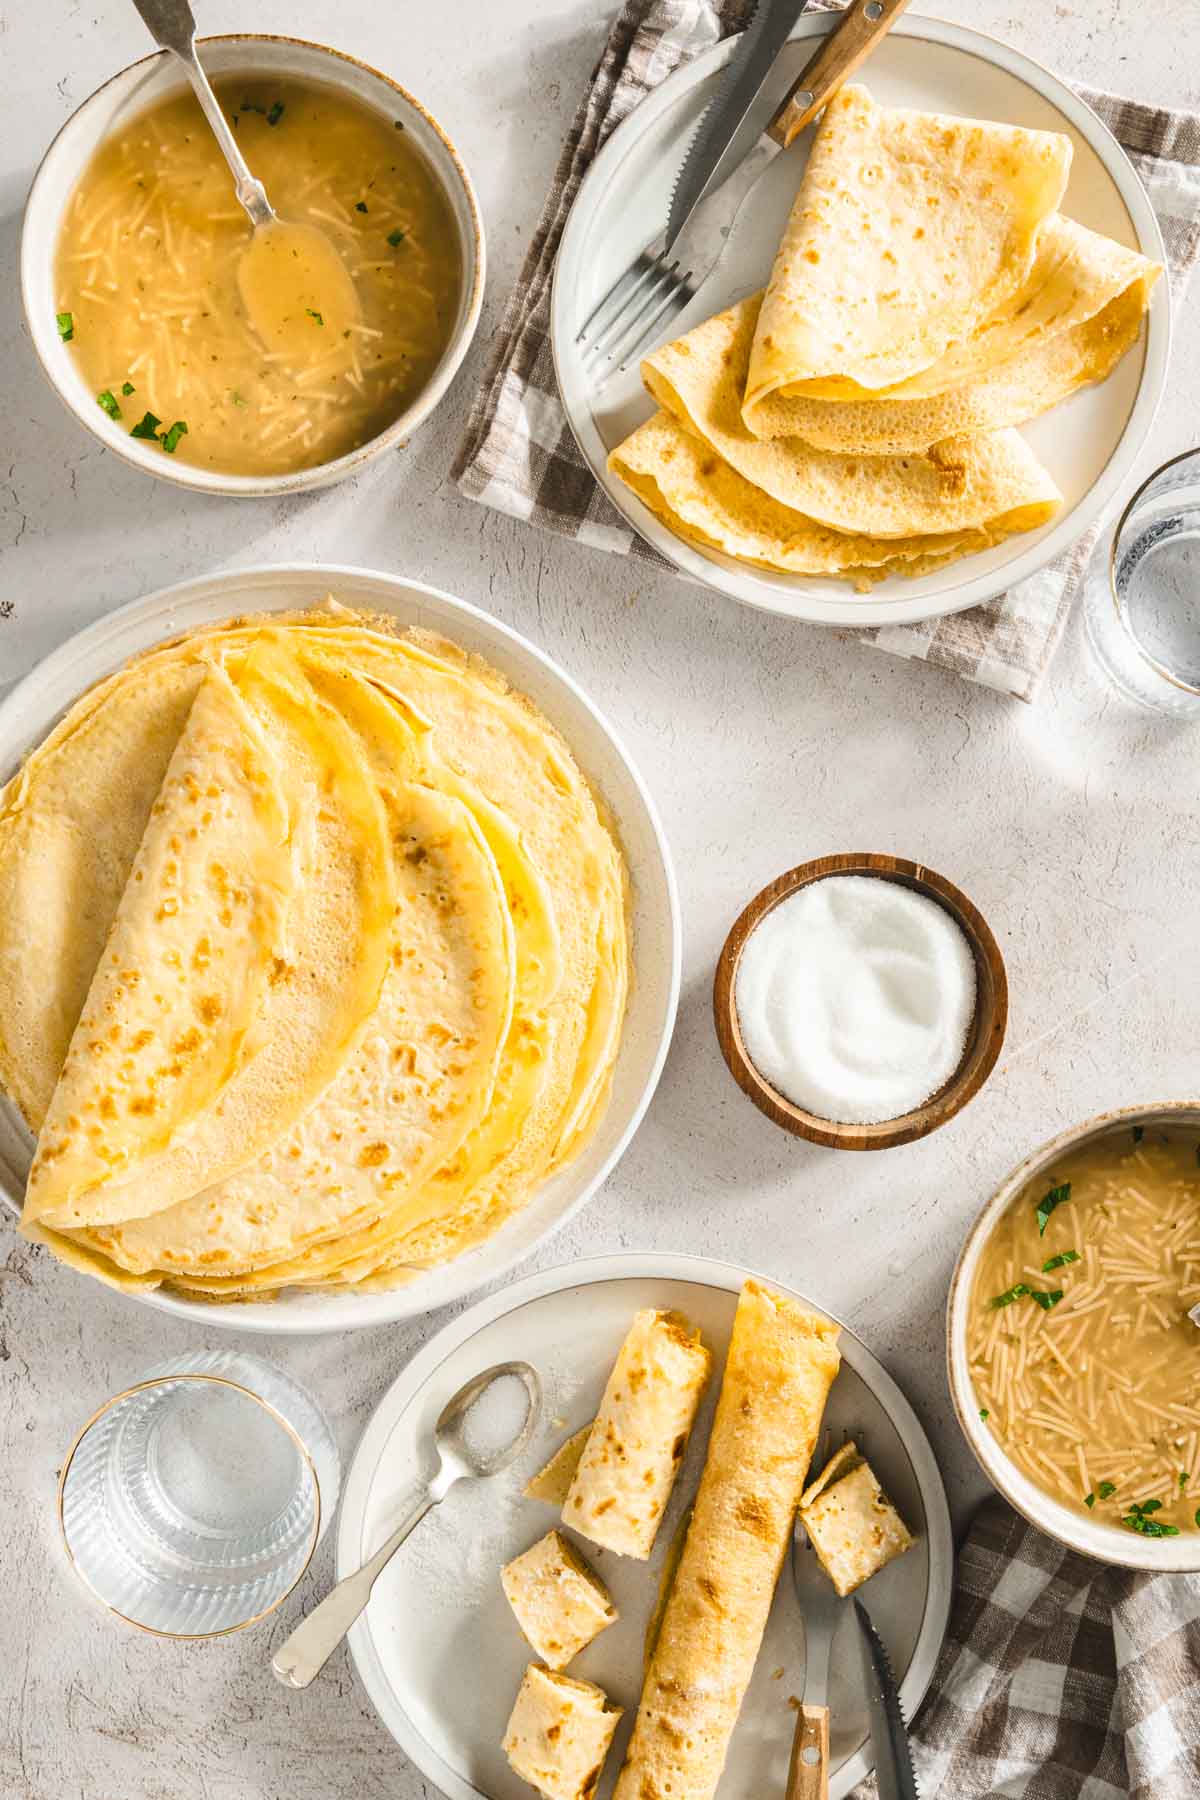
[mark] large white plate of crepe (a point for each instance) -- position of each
(31, 709)
(438, 1648)
(1088, 443)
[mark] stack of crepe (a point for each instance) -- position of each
(856, 419)
(313, 960)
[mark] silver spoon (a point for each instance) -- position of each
(313, 1642)
(290, 277)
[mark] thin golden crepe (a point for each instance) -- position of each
(1079, 311)
(961, 485)
(909, 230)
(489, 818)
(702, 497)
(781, 1364)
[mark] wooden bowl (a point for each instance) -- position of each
(983, 1043)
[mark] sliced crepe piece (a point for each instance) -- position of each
(418, 1082)
(559, 1732)
(852, 1525)
(908, 230)
(559, 1602)
(957, 486)
(71, 821)
(325, 981)
(172, 1010)
(699, 496)
(552, 1481)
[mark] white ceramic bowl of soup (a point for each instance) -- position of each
(1076, 1527)
(110, 110)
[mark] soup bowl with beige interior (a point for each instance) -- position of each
(100, 124)
(1122, 1423)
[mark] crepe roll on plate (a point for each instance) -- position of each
(908, 231)
(559, 1733)
(782, 1362)
(558, 1601)
(632, 1455)
(994, 484)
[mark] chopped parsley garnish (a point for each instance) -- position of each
(108, 400)
(1089, 1499)
(1182, 1480)
(399, 124)
(66, 326)
(170, 438)
(396, 238)
(127, 387)
(1138, 1519)
(360, 206)
(146, 427)
(984, 1413)
(1060, 1261)
(276, 113)
(1021, 1290)
(314, 315)
(1053, 1200)
(1139, 1132)
(1017, 1292)
(1105, 1491)
(1198, 1518)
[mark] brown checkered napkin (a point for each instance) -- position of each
(1060, 1678)
(518, 453)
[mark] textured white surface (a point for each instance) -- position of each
(1073, 825)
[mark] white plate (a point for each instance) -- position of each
(32, 707)
(1089, 443)
(438, 1649)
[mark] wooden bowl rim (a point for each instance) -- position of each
(987, 1031)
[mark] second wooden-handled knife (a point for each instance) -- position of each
(894, 1771)
(740, 84)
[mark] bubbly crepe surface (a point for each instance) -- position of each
(350, 966)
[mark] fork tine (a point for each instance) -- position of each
(623, 290)
(634, 310)
(635, 341)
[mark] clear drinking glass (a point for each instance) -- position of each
(192, 1503)
(1142, 596)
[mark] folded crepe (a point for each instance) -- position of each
(989, 487)
(1078, 312)
(908, 232)
(445, 897)
(965, 485)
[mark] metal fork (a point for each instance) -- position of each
(659, 284)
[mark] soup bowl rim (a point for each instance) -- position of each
(41, 227)
(1092, 1537)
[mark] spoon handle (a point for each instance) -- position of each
(305, 1653)
(171, 25)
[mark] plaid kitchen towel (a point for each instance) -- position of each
(519, 455)
(1060, 1678)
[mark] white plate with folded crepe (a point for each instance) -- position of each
(38, 702)
(1088, 443)
(439, 1650)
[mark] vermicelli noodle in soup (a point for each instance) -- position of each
(359, 287)
(1084, 1361)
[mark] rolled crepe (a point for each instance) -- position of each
(559, 1602)
(782, 1362)
(633, 1452)
(559, 1733)
(908, 231)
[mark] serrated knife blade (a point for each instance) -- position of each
(894, 1772)
(738, 88)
